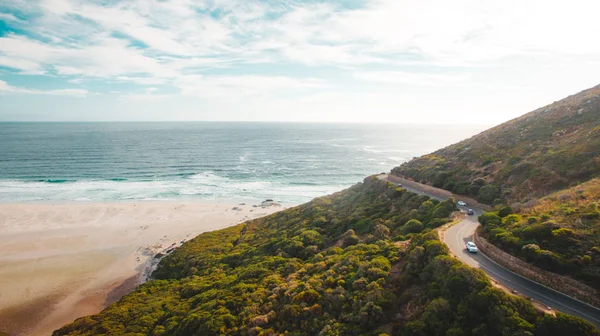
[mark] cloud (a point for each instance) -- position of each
(238, 49)
(140, 80)
(149, 95)
(167, 38)
(10, 17)
(102, 57)
(421, 79)
(249, 85)
(144, 97)
(6, 88)
(25, 66)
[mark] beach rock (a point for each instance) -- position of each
(268, 203)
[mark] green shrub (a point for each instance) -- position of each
(490, 219)
(488, 193)
(505, 211)
(564, 324)
(412, 226)
(511, 219)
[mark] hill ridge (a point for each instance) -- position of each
(548, 149)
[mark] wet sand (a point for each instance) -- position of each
(59, 262)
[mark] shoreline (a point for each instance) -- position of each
(232, 202)
(61, 261)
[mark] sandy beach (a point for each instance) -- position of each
(59, 262)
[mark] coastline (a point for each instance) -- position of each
(63, 260)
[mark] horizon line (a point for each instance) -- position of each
(248, 121)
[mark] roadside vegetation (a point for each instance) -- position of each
(552, 148)
(544, 165)
(559, 233)
(364, 261)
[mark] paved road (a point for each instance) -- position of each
(456, 238)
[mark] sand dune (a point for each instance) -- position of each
(62, 261)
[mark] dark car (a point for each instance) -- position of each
(471, 212)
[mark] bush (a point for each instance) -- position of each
(549, 260)
(436, 223)
(490, 219)
(563, 236)
(505, 211)
(531, 251)
(444, 209)
(564, 324)
(511, 219)
(412, 226)
(462, 188)
(539, 232)
(382, 231)
(488, 193)
(350, 238)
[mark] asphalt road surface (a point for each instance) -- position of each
(458, 235)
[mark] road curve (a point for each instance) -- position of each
(456, 237)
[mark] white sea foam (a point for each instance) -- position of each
(202, 185)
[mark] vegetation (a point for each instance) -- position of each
(560, 232)
(551, 148)
(364, 261)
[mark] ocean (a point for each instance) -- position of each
(231, 162)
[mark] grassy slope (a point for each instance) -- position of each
(560, 232)
(551, 148)
(328, 267)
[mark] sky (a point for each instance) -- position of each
(426, 61)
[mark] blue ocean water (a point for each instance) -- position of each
(288, 162)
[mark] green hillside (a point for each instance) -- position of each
(560, 232)
(551, 148)
(364, 261)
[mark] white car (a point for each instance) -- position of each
(461, 203)
(471, 247)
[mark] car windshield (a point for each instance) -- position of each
(471, 244)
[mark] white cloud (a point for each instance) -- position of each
(239, 50)
(249, 85)
(382, 31)
(104, 57)
(421, 79)
(6, 88)
(323, 54)
(10, 17)
(144, 97)
(141, 80)
(25, 66)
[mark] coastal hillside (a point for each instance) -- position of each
(552, 148)
(559, 233)
(364, 261)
